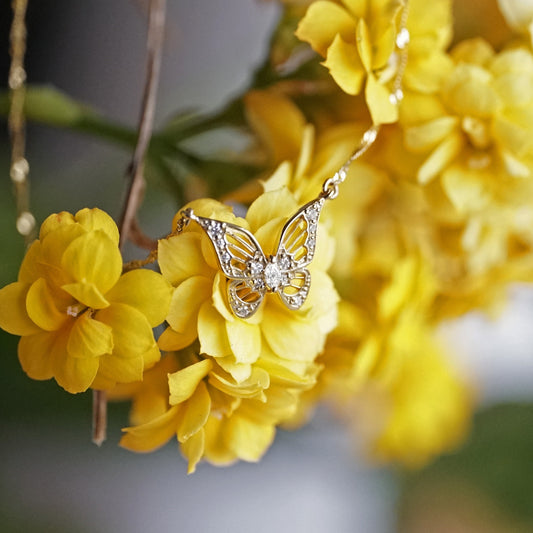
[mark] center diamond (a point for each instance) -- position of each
(273, 276)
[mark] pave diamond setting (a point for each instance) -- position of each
(250, 273)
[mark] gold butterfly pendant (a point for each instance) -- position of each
(251, 273)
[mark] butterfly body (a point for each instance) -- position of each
(251, 273)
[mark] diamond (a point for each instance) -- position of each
(296, 301)
(284, 262)
(255, 267)
(225, 257)
(216, 229)
(272, 275)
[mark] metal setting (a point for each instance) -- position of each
(250, 272)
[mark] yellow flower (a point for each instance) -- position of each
(213, 417)
(199, 307)
(426, 411)
(475, 135)
(358, 40)
(81, 321)
(236, 379)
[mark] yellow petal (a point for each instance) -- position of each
(96, 219)
(280, 178)
(219, 295)
(120, 369)
(132, 334)
(181, 257)
(321, 304)
(239, 371)
(145, 290)
(152, 435)
(280, 406)
(171, 340)
(74, 374)
(382, 47)
(194, 413)
(476, 51)
(151, 356)
(41, 307)
(468, 92)
(290, 336)
(212, 332)
(186, 302)
(93, 258)
(30, 269)
(54, 221)
(427, 135)
(466, 189)
(36, 355)
(345, 66)
(215, 449)
(193, 449)
(253, 387)
(270, 205)
(364, 46)
(245, 340)
(249, 441)
(13, 315)
(87, 294)
(322, 22)
(52, 248)
(427, 74)
(89, 338)
(306, 152)
(277, 121)
(382, 110)
(440, 158)
(183, 383)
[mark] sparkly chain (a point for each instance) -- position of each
(330, 188)
(20, 167)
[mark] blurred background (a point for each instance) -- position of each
(52, 478)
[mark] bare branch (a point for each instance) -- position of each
(127, 224)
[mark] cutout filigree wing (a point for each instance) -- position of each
(245, 297)
(295, 292)
(239, 254)
(298, 238)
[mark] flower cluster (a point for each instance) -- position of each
(235, 377)
(434, 220)
(81, 320)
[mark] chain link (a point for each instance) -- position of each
(20, 168)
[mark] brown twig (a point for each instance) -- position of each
(127, 224)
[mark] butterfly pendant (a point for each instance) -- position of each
(251, 273)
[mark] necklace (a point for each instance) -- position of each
(251, 273)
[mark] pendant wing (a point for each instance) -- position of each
(295, 292)
(298, 237)
(295, 251)
(244, 297)
(236, 248)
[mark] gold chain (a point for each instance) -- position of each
(20, 167)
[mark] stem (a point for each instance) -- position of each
(99, 416)
(156, 25)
